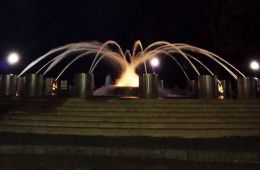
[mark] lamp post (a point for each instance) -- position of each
(8, 81)
(156, 63)
(255, 66)
(12, 59)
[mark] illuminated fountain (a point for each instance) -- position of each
(128, 62)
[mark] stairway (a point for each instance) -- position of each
(160, 131)
(187, 118)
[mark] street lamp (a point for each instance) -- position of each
(13, 58)
(154, 62)
(254, 65)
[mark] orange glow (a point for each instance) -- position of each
(221, 97)
(220, 88)
(128, 78)
(54, 86)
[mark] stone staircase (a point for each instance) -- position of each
(224, 131)
(187, 118)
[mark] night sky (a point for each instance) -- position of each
(230, 28)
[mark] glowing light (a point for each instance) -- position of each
(254, 65)
(54, 86)
(129, 78)
(221, 91)
(13, 58)
(220, 88)
(221, 97)
(154, 62)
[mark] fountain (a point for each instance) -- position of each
(128, 62)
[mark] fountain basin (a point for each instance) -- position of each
(117, 91)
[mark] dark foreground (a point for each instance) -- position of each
(19, 151)
(50, 162)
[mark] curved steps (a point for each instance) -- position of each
(188, 118)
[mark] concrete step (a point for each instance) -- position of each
(134, 125)
(177, 102)
(140, 106)
(183, 133)
(98, 108)
(133, 102)
(135, 118)
(22, 121)
(118, 114)
(159, 118)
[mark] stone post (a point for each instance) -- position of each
(84, 85)
(207, 87)
(246, 88)
(33, 85)
(160, 84)
(225, 89)
(192, 88)
(148, 86)
(48, 83)
(20, 88)
(8, 85)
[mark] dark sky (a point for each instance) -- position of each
(229, 28)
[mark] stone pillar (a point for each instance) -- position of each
(20, 88)
(207, 87)
(48, 83)
(192, 88)
(8, 85)
(33, 85)
(84, 85)
(1, 82)
(160, 84)
(257, 87)
(224, 89)
(148, 86)
(246, 88)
